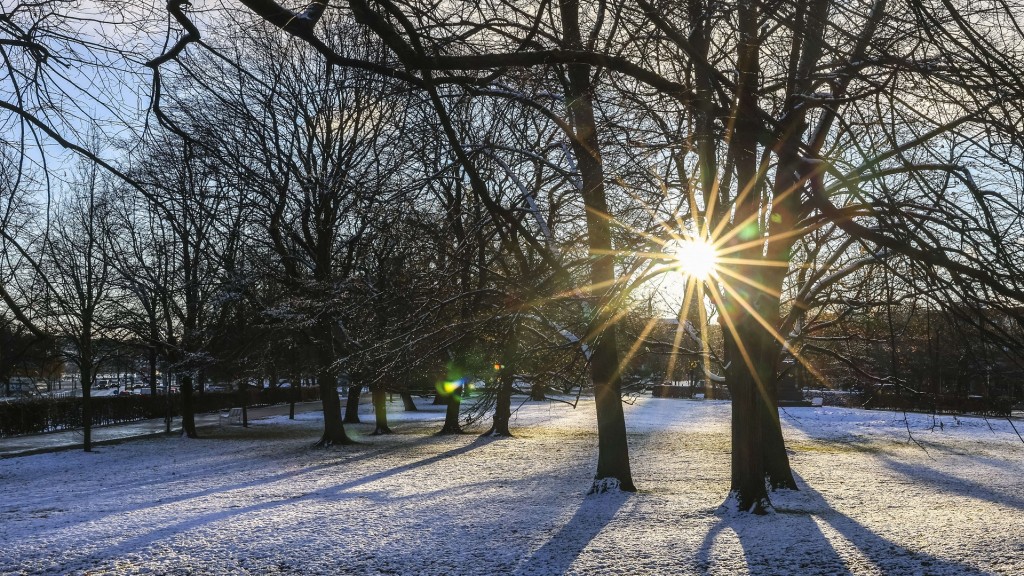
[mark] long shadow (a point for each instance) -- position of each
(924, 475)
(952, 484)
(557, 554)
(892, 558)
(293, 474)
(792, 540)
(789, 539)
(192, 523)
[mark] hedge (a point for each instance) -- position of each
(45, 414)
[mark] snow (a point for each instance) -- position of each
(262, 501)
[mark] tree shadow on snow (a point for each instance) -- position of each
(943, 482)
(801, 537)
(557, 555)
(226, 469)
(191, 523)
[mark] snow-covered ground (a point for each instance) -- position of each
(261, 501)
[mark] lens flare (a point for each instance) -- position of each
(695, 257)
(449, 386)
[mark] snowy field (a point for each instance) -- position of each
(261, 501)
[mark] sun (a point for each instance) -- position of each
(694, 257)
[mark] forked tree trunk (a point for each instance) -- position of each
(758, 457)
(380, 410)
(352, 404)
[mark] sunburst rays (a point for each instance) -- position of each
(720, 269)
(719, 264)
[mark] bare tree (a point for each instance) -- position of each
(872, 117)
(315, 158)
(78, 278)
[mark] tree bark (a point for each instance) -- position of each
(380, 410)
(613, 468)
(352, 404)
(188, 416)
(153, 385)
(85, 379)
(327, 380)
(748, 473)
(407, 401)
(451, 415)
(503, 402)
(537, 391)
(506, 377)
(613, 452)
(778, 474)
(334, 429)
(753, 352)
(293, 397)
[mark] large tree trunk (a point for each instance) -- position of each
(613, 468)
(380, 410)
(334, 429)
(758, 450)
(748, 473)
(503, 402)
(778, 473)
(613, 452)
(188, 416)
(327, 379)
(352, 404)
(759, 459)
(451, 415)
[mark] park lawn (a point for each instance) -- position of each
(881, 493)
